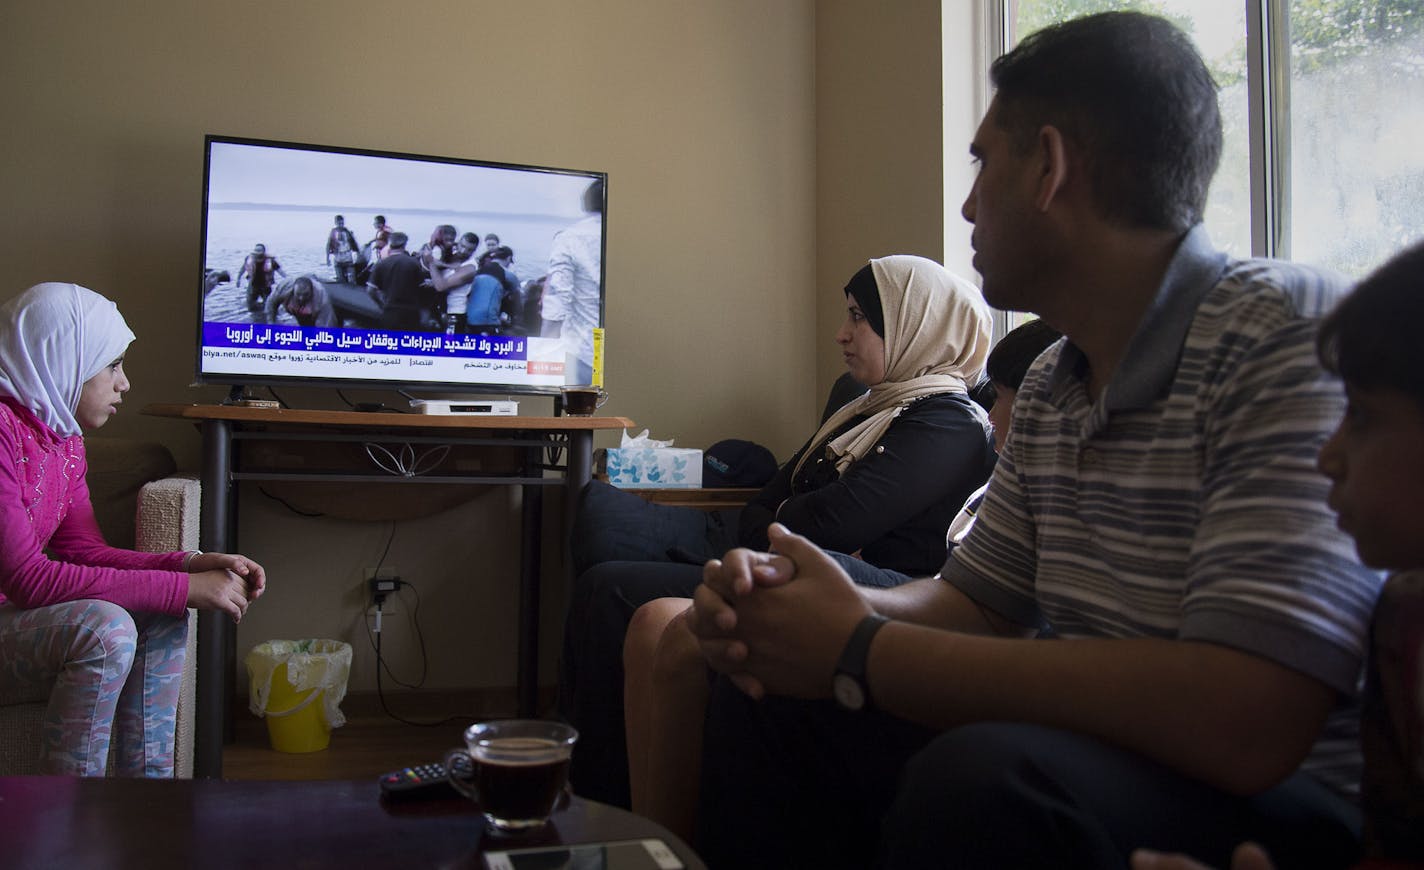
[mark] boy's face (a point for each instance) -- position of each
(1375, 461)
(1002, 414)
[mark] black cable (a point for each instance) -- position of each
(281, 401)
(375, 639)
(284, 503)
(414, 618)
(390, 539)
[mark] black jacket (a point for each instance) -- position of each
(894, 505)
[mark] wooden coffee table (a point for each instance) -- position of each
(53, 822)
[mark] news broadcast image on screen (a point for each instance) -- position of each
(333, 266)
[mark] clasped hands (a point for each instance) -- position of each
(771, 635)
(224, 581)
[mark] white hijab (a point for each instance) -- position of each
(53, 338)
(937, 336)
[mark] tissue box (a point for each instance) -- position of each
(654, 467)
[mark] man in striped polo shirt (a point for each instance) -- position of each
(1156, 511)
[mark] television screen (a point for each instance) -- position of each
(345, 267)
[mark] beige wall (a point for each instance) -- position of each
(897, 101)
(757, 151)
(878, 147)
(701, 113)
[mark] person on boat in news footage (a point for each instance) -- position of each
(465, 249)
(342, 251)
(259, 270)
(395, 286)
(498, 262)
(375, 250)
(454, 280)
(306, 299)
(492, 291)
(441, 246)
(491, 245)
(379, 246)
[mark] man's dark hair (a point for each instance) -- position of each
(471, 239)
(398, 239)
(1132, 93)
(1009, 360)
(1372, 339)
(302, 287)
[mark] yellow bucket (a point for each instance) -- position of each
(295, 721)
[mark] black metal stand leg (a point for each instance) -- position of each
(530, 564)
(580, 470)
(215, 634)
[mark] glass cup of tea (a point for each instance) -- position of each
(583, 400)
(515, 769)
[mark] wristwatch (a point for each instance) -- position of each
(848, 685)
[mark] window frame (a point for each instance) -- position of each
(1268, 112)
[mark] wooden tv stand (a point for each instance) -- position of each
(530, 439)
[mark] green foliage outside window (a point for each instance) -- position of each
(1326, 31)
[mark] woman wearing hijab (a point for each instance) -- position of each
(884, 475)
(880, 481)
(101, 630)
(666, 687)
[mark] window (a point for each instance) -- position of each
(1322, 107)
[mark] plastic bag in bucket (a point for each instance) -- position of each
(298, 685)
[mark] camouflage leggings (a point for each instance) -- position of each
(107, 673)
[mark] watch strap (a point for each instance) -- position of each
(857, 650)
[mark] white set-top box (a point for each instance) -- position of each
(498, 408)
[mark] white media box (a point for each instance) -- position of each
(482, 407)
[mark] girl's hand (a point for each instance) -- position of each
(248, 570)
(219, 589)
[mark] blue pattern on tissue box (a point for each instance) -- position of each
(653, 467)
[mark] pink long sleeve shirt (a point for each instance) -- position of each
(44, 502)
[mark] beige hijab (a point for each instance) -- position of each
(937, 335)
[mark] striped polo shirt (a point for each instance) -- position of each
(1186, 502)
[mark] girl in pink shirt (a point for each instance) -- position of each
(100, 631)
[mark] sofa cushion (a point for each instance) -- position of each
(613, 525)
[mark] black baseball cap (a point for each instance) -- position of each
(737, 463)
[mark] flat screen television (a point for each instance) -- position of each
(528, 319)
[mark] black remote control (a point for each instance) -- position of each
(423, 781)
